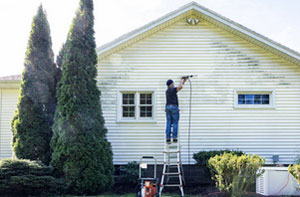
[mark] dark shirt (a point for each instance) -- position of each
(171, 96)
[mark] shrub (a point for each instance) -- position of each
(127, 181)
(24, 177)
(235, 173)
(202, 158)
(295, 171)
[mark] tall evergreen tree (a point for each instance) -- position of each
(33, 119)
(81, 152)
(59, 60)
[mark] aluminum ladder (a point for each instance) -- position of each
(172, 169)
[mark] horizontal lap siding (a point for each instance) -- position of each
(8, 105)
(223, 63)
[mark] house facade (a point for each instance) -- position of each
(245, 95)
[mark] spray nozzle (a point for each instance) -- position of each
(188, 76)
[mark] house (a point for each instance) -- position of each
(246, 95)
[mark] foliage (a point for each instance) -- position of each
(25, 177)
(81, 152)
(127, 181)
(295, 171)
(202, 158)
(33, 119)
(59, 61)
(235, 173)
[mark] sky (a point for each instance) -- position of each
(278, 20)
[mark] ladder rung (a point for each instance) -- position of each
(168, 152)
(172, 163)
(173, 185)
(172, 173)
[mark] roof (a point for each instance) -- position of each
(11, 78)
(203, 13)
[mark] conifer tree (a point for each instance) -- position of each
(59, 59)
(33, 119)
(81, 152)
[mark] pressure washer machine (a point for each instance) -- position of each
(149, 185)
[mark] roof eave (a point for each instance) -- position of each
(10, 84)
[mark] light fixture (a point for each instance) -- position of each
(192, 21)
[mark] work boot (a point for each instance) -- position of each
(175, 140)
(169, 141)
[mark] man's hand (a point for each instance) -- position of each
(182, 81)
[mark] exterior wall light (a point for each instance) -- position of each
(192, 21)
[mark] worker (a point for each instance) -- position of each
(172, 110)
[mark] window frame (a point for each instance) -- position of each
(136, 118)
(270, 92)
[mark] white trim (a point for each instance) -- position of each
(272, 100)
(137, 118)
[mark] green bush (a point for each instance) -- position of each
(24, 177)
(127, 180)
(295, 171)
(235, 173)
(202, 158)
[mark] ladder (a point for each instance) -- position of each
(172, 174)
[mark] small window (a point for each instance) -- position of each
(136, 106)
(254, 99)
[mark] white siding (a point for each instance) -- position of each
(8, 104)
(223, 63)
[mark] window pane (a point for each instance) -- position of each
(249, 98)
(265, 102)
(257, 99)
(265, 96)
(241, 99)
(128, 99)
(128, 111)
(149, 98)
(146, 111)
(146, 99)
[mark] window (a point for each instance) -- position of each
(136, 106)
(254, 99)
(146, 105)
(128, 105)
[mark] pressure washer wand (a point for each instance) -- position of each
(188, 76)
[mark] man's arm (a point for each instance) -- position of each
(182, 81)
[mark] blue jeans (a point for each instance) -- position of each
(172, 113)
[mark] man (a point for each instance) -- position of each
(172, 111)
